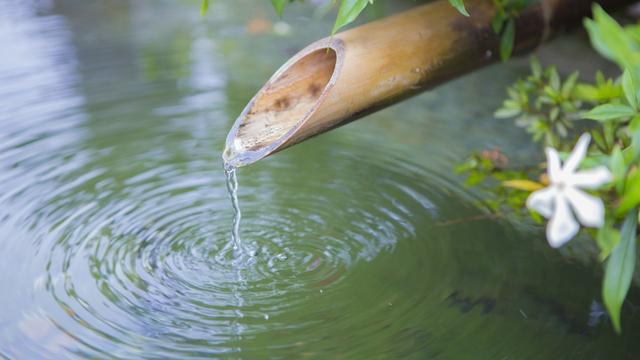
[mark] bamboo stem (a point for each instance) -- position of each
(338, 79)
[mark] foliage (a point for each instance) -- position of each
(543, 104)
(503, 24)
(348, 12)
(459, 5)
(620, 266)
(555, 111)
(204, 7)
(278, 5)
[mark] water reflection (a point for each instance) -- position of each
(114, 211)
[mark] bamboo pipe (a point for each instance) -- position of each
(341, 78)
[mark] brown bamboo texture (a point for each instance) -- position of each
(341, 78)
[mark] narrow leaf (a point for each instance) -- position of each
(619, 269)
(569, 84)
(348, 12)
(609, 38)
(630, 89)
(554, 79)
(497, 22)
(459, 5)
(278, 5)
(598, 139)
(536, 67)
(526, 185)
(504, 113)
(635, 146)
(507, 39)
(607, 112)
(631, 197)
(204, 6)
(607, 239)
(618, 168)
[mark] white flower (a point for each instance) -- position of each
(557, 201)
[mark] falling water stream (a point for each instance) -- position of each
(360, 244)
(232, 187)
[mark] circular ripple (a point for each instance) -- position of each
(151, 266)
(115, 222)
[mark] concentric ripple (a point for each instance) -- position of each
(115, 221)
(152, 267)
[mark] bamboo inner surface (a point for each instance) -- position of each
(339, 79)
(285, 101)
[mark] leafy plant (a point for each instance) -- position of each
(554, 111)
(543, 104)
(504, 23)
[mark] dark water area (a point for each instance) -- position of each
(115, 217)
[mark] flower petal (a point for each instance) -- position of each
(592, 178)
(562, 226)
(588, 209)
(578, 153)
(553, 165)
(542, 201)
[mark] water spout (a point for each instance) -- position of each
(342, 78)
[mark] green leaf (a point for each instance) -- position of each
(635, 146)
(607, 112)
(569, 84)
(554, 80)
(619, 269)
(631, 196)
(348, 12)
(587, 92)
(204, 6)
(634, 124)
(618, 168)
(609, 38)
(507, 39)
(598, 139)
(466, 166)
(536, 68)
(278, 5)
(607, 239)
(630, 88)
(497, 22)
(475, 178)
(609, 132)
(505, 113)
(602, 92)
(459, 5)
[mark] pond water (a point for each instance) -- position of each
(115, 219)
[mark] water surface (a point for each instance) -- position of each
(115, 219)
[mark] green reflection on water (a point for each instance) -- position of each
(114, 212)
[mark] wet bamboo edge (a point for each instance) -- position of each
(341, 78)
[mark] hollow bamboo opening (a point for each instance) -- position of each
(346, 76)
(285, 102)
